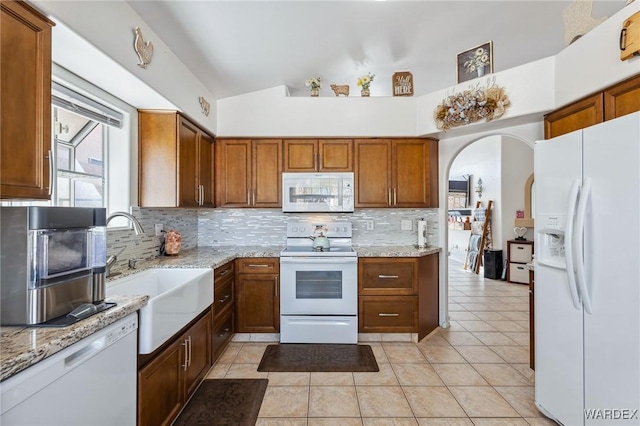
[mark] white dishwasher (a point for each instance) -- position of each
(92, 382)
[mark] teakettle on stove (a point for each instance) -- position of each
(320, 240)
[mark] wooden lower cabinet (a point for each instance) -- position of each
(222, 333)
(257, 295)
(223, 308)
(388, 314)
(398, 295)
(166, 382)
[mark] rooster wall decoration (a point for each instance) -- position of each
(142, 48)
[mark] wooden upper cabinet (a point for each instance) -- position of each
(372, 173)
(175, 161)
(248, 173)
(581, 114)
(25, 78)
(318, 155)
(396, 173)
(622, 99)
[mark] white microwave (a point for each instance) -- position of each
(317, 192)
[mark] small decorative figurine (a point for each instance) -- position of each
(340, 89)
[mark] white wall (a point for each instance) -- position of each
(517, 166)
(593, 62)
(108, 26)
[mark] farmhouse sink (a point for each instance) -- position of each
(176, 296)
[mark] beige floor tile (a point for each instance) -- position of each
(288, 379)
(521, 338)
(526, 371)
(512, 354)
(520, 398)
(218, 371)
(433, 340)
(393, 421)
(540, 421)
(462, 338)
(442, 354)
(378, 352)
(403, 353)
(456, 326)
(433, 401)
(265, 421)
(507, 325)
(461, 315)
(385, 377)
(476, 325)
(517, 315)
(501, 375)
(250, 353)
(383, 401)
(478, 354)
(494, 338)
(333, 401)
(285, 401)
(229, 354)
(482, 401)
(497, 316)
(335, 379)
(455, 307)
(417, 375)
(444, 422)
(335, 421)
(459, 375)
(499, 422)
(245, 371)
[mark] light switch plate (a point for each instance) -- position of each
(370, 225)
(406, 225)
(158, 228)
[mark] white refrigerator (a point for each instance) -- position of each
(587, 274)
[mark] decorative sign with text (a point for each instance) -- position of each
(402, 83)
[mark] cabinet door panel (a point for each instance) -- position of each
(222, 333)
(205, 171)
(157, 159)
(25, 97)
(160, 390)
(622, 99)
(380, 276)
(267, 173)
(257, 303)
(187, 165)
(411, 174)
(300, 155)
(199, 336)
(388, 314)
(578, 115)
(335, 155)
(372, 173)
(233, 173)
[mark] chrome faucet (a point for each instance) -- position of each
(137, 228)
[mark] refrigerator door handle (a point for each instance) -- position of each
(578, 245)
(568, 240)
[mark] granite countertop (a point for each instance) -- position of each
(21, 347)
(395, 251)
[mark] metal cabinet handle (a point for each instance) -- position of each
(387, 276)
(389, 196)
(395, 196)
(249, 196)
(225, 272)
(50, 158)
(275, 286)
(186, 355)
(257, 265)
(190, 350)
(202, 195)
(224, 299)
(388, 315)
(224, 332)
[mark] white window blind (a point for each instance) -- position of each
(68, 99)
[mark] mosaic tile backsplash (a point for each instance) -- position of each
(251, 227)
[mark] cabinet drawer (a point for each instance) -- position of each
(259, 265)
(223, 272)
(518, 273)
(223, 297)
(382, 276)
(222, 333)
(520, 253)
(388, 314)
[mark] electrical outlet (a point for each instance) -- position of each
(405, 225)
(370, 225)
(158, 227)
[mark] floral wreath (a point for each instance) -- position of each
(471, 105)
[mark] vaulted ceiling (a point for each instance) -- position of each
(237, 47)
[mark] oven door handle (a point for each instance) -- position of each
(319, 260)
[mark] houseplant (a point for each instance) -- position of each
(315, 84)
(364, 82)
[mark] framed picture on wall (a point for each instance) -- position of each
(475, 62)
